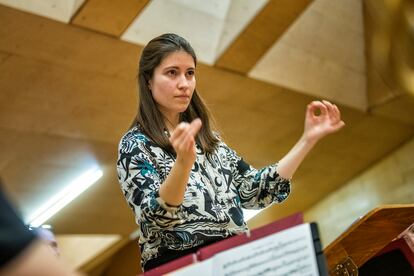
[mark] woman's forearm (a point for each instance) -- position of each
(316, 127)
(183, 140)
(173, 188)
(288, 165)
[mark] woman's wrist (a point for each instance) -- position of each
(307, 141)
(184, 163)
(173, 189)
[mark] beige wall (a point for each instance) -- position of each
(389, 181)
(78, 250)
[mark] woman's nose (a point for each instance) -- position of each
(183, 82)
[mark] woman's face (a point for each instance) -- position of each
(173, 83)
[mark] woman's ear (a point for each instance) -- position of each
(150, 85)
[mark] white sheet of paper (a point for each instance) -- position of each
(289, 252)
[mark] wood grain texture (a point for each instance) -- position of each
(109, 17)
(260, 34)
(388, 69)
(370, 234)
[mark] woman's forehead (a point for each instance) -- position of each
(178, 59)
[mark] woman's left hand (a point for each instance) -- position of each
(318, 126)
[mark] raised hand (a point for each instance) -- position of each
(183, 141)
(328, 121)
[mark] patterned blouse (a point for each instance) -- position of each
(219, 186)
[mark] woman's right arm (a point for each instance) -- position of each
(183, 141)
(152, 200)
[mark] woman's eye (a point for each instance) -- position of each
(172, 72)
(190, 73)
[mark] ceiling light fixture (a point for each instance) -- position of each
(64, 197)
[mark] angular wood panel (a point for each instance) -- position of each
(109, 17)
(264, 30)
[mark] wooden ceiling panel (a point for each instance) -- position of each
(400, 108)
(321, 54)
(387, 36)
(65, 45)
(107, 16)
(264, 30)
(3, 57)
(45, 98)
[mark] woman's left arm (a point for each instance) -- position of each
(316, 127)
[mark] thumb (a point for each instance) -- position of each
(195, 126)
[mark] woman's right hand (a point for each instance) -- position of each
(183, 142)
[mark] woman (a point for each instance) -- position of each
(186, 186)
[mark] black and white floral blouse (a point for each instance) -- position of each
(220, 184)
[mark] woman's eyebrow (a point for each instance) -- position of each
(176, 67)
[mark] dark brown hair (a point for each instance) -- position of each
(149, 117)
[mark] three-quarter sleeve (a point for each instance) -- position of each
(257, 188)
(140, 182)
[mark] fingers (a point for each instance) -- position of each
(337, 113)
(183, 136)
(339, 125)
(178, 131)
(195, 126)
(330, 111)
(329, 114)
(186, 139)
(333, 112)
(326, 108)
(314, 106)
(190, 144)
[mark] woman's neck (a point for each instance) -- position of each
(171, 121)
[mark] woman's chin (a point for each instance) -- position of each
(182, 109)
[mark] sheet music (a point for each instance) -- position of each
(289, 252)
